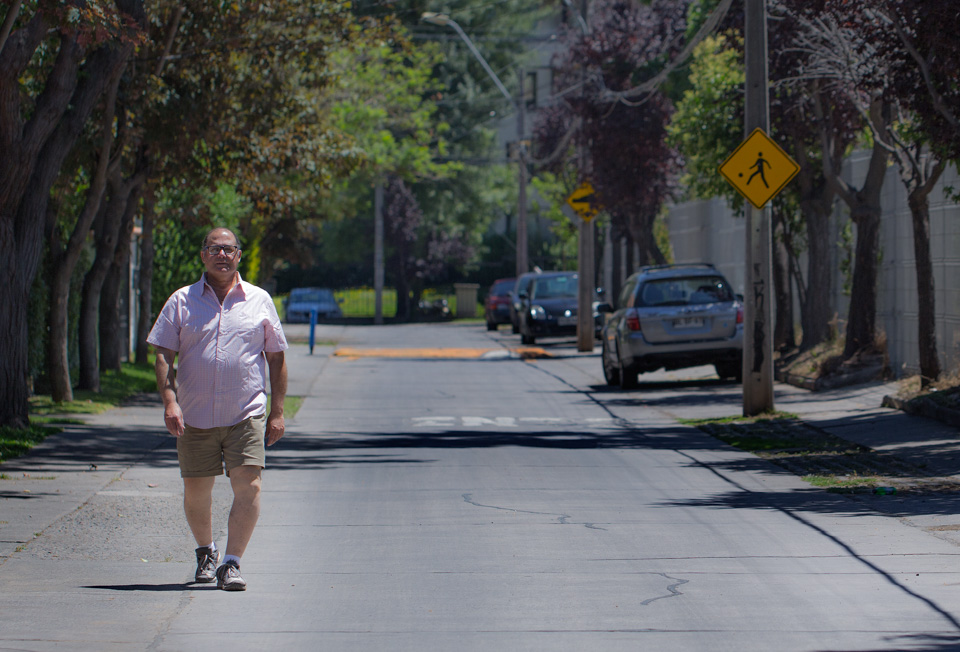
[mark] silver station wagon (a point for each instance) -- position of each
(671, 317)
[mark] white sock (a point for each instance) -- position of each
(232, 558)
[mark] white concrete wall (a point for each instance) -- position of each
(707, 231)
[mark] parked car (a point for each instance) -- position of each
(549, 306)
(672, 316)
(522, 286)
(496, 307)
(301, 301)
(599, 318)
(434, 307)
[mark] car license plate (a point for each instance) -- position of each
(566, 321)
(688, 322)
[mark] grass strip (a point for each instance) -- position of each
(818, 457)
(115, 387)
(14, 442)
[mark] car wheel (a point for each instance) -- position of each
(628, 375)
(527, 339)
(611, 374)
(491, 326)
(514, 328)
(732, 370)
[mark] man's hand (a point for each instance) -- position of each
(275, 428)
(173, 418)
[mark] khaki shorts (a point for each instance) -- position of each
(204, 452)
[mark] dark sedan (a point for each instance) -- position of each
(549, 306)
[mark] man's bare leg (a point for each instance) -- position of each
(245, 481)
(198, 507)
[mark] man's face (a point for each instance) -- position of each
(220, 264)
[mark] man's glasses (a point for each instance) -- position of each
(213, 250)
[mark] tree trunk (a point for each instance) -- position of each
(14, 407)
(862, 321)
(865, 211)
(816, 310)
(641, 231)
(89, 377)
(404, 311)
(920, 181)
(817, 192)
(145, 320)
(111, 335)
(63, 259)
(58, 360)
(926, 308)
(783, 335)
(109, 329)
(107, 232)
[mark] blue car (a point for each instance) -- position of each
(301, 301)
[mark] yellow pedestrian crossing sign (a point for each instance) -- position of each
(759, 169)
(583, 201)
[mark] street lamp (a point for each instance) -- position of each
(444, 20)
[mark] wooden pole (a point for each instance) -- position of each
(758, 290)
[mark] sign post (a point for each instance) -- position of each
(583, 202)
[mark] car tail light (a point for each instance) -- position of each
(633, 321)
(739, 314)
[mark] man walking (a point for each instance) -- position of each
(226, 333)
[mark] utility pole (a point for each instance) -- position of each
(378, 253)
(585, 245)
(523, 264)
(758, 290)
(585, 287)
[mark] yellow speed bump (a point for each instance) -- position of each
(454, 353)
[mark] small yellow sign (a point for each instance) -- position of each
(583, 201)
(759, 169)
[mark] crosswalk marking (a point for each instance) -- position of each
(501, 422)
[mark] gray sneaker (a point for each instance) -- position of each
(207, 560)
(228, 577)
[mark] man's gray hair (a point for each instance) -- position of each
(206, 238)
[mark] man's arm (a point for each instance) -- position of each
(167, 386)
(278, 391)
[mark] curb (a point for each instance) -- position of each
(924, 407)
(865, 375)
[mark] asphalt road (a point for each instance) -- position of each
(464, 498)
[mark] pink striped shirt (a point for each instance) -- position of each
(221, 369)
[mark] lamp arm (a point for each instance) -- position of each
(483, 62)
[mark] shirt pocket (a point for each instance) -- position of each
(252, 338)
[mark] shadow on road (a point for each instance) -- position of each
(153, 588)
(87, 447)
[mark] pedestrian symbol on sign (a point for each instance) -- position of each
(760, 164)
